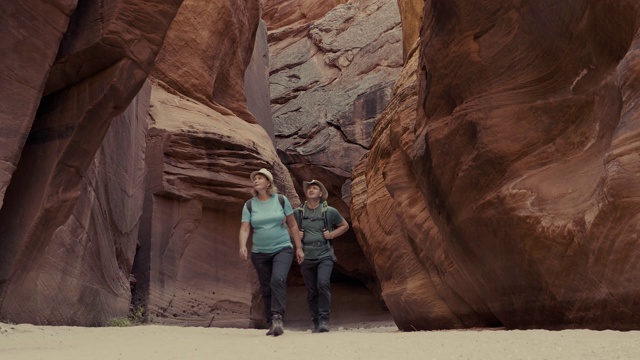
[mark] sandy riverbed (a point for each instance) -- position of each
(383, 342)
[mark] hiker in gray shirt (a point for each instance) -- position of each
(318, 224)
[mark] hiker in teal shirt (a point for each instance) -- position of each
(269, 214)
(319, 224)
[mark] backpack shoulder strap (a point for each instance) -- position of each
(248, 204)
(325, 207)
(325, 221)
(300, 216)
(281, 200)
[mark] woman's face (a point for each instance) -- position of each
(260, 183)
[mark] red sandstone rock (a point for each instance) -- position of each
(411, 15)
(201, 147)
(256, 82)
(31, 35)
(207, 51)
(101, 65)
(517, 184)
(388, 225)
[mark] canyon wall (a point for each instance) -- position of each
(89, 73)
(515, 182)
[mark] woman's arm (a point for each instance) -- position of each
(245, 229)
(297, 239)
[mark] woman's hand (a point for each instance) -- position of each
(245, 228)
(297, 237)
(299, 255)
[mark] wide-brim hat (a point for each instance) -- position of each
(264, 172)
(325, 193)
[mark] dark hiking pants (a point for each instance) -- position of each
(272, 269)
(317, 280)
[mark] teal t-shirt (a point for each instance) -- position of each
(269, 233)
(314, 244)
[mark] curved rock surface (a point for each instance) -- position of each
(392, 223)
(31, 34)
(517, 186)
(411, 16)
(101, 64)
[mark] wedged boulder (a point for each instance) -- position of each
(520, 171)
(83, 95)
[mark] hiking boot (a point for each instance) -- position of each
(315, 328)
(270, 332)
(323, 326)
(277, 327)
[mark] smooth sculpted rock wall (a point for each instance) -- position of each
(46, 255)
(392, 221)
(518, 182)
(202, 144)
(86, 267)
(31, 35)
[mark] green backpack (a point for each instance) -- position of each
(325, 222)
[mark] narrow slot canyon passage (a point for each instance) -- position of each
(353, 305)
(333, 68)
